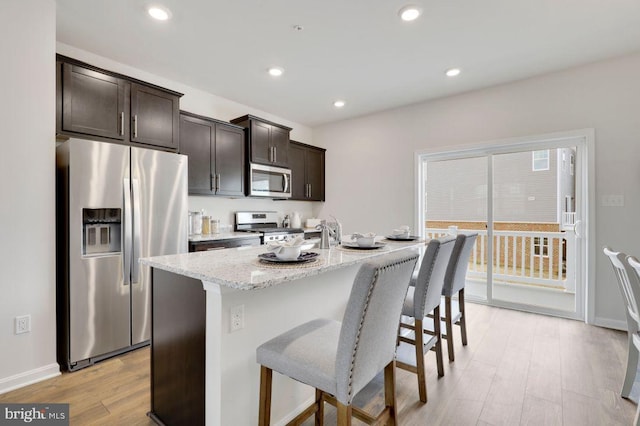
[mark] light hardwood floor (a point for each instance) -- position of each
(518, 368)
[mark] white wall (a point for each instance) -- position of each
(27, 190)
(200, 102)
(370, 160)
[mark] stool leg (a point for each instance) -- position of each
(449, 327)
(390, 391)
(419, 346)
(438, 346)
(264, 418)
(463, 317)
(344, 414)
(320, 407)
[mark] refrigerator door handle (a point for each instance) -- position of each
(126, 252)
(137, 226)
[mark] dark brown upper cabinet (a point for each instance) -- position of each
(216, 155)
(267, 142)
(307, 172)
(154, 117)
(92, 102)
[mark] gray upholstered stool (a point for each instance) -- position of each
(454, 282)
(423, 298)
(339, 359)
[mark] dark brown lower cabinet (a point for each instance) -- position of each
(222, 244)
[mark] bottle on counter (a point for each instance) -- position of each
(206, 225)
(215, 226)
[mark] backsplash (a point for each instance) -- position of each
(224, 208)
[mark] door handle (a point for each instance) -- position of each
(122, 123)
(576, 228)
(218, 182)
(275, 154)
(135, 126)
(309, 190)
(213, 183)
(126, 252)
(137, 239)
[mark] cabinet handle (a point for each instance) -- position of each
(135, 126)
(218, 184)
(309, 190)
(213, 182)
(275, 154)
(216, 248)
(122, 123)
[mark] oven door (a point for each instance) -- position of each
(267, 181)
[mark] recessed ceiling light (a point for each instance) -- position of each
(160, 13)
(275, 71)
(409, 13)
(453, 72)
(339, 103)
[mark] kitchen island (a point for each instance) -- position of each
(211, 310)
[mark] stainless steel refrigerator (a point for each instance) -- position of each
(115, 204)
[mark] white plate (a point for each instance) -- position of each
(355, 245)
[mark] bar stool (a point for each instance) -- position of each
(454, 282)
(423, 298)
(339, 359)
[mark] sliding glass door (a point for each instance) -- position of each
(526, 202)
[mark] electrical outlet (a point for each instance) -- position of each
(23, 324)
(237, 318)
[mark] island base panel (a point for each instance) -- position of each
(177, 349)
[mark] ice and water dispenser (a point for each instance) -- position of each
(101, 231)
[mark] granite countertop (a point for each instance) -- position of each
(240, 268)
(223, 236)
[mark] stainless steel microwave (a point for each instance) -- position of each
(269, 181)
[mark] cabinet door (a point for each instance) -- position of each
(196, 141)
(154, 117)
(92, 102)
(298, 178)
(315, 174)
(260, 145)
(280, 143)
(229, 160)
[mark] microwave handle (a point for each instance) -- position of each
(286, 182)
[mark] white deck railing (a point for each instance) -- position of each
(521, 257)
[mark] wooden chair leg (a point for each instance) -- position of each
(344, 414)
(438, 346)
(449, 327)
(264, 418)
(463, 317)
(390, 391)
(320, 410)
(419, 346)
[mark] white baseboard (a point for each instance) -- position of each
(610, 323)
(29, 377)
(292, 415)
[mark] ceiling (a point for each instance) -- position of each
(355, 50)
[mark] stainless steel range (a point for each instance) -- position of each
(267, 223)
